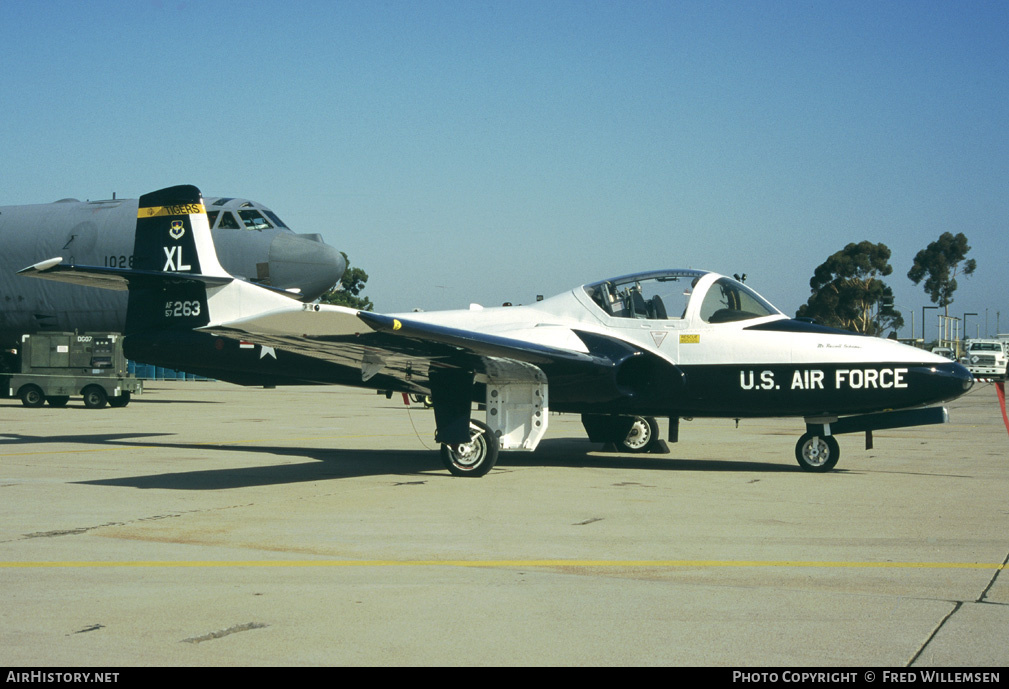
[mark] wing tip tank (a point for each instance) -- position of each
(41, 266)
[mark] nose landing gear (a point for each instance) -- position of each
(817, 453)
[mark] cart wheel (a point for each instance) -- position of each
(31, 396)
(95, 397)
(120, 401)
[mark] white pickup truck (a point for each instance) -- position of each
(987, 358)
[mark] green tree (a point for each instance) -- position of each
(847, 291)
(941, 262)
(348, 292)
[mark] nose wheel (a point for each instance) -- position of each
(817, 453)
(474, 458)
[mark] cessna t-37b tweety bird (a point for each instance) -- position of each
(620, 352)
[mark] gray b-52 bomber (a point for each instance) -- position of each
(671, 343)
(253, 243)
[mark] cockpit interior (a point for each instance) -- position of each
(668, 295)
(239, 214)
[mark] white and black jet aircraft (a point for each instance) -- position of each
(673, 343)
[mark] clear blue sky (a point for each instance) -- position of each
(492, 151)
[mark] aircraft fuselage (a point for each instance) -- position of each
(712, 361)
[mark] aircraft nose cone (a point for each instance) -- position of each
(306, 263)
(957, 379)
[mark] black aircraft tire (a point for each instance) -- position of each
(642, 437)
(58, 400)
(475, 458)
(94, 397)
(32, 396)
(817, 453)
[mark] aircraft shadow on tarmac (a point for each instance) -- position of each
(100, 439)
(325, 464)
(174, 400)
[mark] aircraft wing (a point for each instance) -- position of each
(406, 349)
(328, 324)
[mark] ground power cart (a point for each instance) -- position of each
(57, 366)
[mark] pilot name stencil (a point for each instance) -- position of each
(813, 379)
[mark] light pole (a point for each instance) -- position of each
(965, 323)
(923, 323)
(901, 312)
(965, 332)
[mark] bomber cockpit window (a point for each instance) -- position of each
(212, 217)
(728, 301)
(254, 220)
(276, 221)
(228, 221)
(655, 297)
(222, 201)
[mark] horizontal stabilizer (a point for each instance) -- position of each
(114, 278)
(307, 320)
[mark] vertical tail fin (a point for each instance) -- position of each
(173, 235)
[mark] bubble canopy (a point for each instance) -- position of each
(673, 294)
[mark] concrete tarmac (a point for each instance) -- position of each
(208, 524)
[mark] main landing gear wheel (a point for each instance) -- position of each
(642, 437)
(474, 458)
(817, 452)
